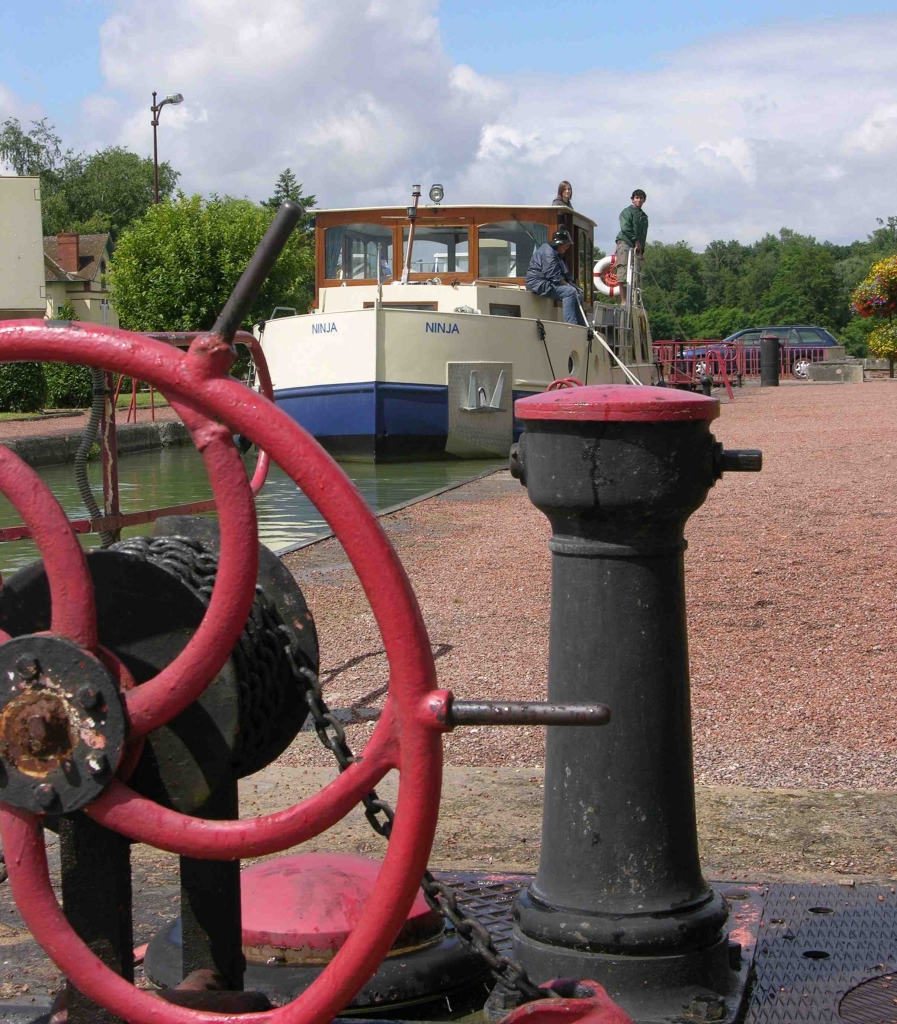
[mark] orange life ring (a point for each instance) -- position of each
(604, 274)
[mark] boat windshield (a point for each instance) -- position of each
(506, 247)
(438, 249)
(350, 252)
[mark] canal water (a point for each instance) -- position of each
(175, 476)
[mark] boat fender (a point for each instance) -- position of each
(605, 276)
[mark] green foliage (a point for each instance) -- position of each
(68, 387)
(718, 322)
(175, 268)
(854, 334)
(105, 192)
(780, 279)
(67, 312)
(22, 387)
(88, 194)
(287, 187)
(805, 289)
(36, 152)
(882, 340)
(876, 294)
(672, 279)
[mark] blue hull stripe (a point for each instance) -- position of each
(372, 409)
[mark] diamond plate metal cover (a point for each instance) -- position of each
(815, 944)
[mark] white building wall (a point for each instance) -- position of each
(21, 249)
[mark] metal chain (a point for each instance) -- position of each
(264, 672)
(189, 560)
(441, 897)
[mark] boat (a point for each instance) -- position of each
(422, 333)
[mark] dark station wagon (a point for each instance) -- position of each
(802, 344)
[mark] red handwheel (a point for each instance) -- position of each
(407, 736)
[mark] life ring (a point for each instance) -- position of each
(605, 276)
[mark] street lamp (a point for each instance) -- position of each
(156, 109)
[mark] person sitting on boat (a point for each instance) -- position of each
(549, 275)
(564, 196)
(633, 237)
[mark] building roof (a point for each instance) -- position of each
(91, 249)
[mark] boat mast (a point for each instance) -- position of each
(412, 217)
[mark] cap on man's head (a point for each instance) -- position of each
(638, 192)
(561, 237)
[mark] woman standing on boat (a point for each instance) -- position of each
(564, 196)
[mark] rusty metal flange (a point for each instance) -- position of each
(62, 725)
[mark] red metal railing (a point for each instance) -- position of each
(132, 406)
(683, 363)
(113, 519)
(794, 360)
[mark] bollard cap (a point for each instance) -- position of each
(617, 403)
(308, 903)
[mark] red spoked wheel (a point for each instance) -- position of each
(71, 589)
(406, 736)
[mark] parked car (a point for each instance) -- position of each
(802, 344)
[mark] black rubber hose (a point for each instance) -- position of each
(88, 440)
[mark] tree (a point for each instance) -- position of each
(875, 298)
(882, 342)
(671, 281)
(288, 187)
(107, 191)
(87, 194)
(805, 288)
(30, 153)
(175, 267)
(722, 265)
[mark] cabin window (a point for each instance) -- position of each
(438, 249)
(506, 248)
(350, 252)
(503, 309)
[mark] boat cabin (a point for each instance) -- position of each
(452, 245)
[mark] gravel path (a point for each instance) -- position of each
(790, 586)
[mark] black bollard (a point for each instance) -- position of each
(706, 384)
(770, 361)
(619, 896)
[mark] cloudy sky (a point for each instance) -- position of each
(736, 121)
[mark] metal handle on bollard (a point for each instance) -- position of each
(741, 460)
(524, 712)
(735, 460)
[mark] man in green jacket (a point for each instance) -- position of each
(632, 237)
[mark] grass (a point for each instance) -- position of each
(124, 401)
(143, 400)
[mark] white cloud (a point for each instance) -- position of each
(877, 134)
(734, 136)
(357, 97)
(791, 124)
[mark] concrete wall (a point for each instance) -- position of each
(52, 449)
(842, 373)
(21, 249)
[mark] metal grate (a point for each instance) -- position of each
(816, 944)
(490, 898)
